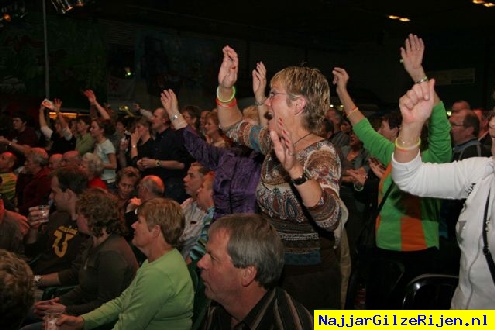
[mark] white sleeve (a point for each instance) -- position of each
(448, 180)
(47, 131)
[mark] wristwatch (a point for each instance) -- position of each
(300, 180)
(158, 163)
(37, 280)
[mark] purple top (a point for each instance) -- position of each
(237, 173)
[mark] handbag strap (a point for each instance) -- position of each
(484, 231)
(380, 206)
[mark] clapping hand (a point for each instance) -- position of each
(259, 81)
(283, 146)
(227, 75)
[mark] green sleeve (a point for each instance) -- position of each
(141, 305)
(439, 143)
(376, 145)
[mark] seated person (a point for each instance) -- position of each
(151, 186)
(126, 182)
(54, 161)
(192, 212)
(161, 295)
(71, 158)
(107, 265)
(54, 246)
(7, 164)
(204, 200)
(17, 290)
(13, 228)
(244, 260)
(37, 188)
(93, 167)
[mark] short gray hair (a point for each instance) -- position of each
(253, 242)
(95, 164)
(38, 156)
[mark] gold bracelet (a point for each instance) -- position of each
(402, 146)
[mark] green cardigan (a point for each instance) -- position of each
(160, 297)
(407, 222)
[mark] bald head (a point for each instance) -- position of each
(7, 162)
(71, 158)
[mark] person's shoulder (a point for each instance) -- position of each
(289, 308)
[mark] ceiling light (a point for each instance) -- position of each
(393, 17)
(478, 2)
(404, 19)
(489, 4)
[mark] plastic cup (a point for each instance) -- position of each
(51, 318)
(44, 212)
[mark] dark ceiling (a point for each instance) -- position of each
(308, 22)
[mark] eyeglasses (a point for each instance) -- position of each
(273, 94)
(456, 124)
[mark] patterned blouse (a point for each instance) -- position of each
(278, 201)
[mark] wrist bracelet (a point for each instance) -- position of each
(259, 104)
(225, 101)
(232, 103)
(353, 111)
(425, 78)
(402, 146)
(175, 116)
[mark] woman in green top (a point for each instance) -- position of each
(161, 295)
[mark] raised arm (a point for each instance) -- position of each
(57, 106)
(259, 88)
(47, 131)
(416, 107)
(228, 111)
(94, 102)
(412, 59)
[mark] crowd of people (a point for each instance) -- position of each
(266, 204)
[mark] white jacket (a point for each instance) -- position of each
(473, 179)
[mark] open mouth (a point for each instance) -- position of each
(268, 115)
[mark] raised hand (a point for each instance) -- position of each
(90, 95)
(416, 105)
(340, 78)
(283, 146)
(57, 105)
(412, 56)
(169, 102)
(227, 75)
(259, 81)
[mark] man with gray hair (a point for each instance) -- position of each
(243, 262)
(36, 190)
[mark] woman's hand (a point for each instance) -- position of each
(70, 322)
(284, 147)
(57, 105)
(417, 104)
(412, 56)
(135, 136)
(169, 102)
(227, 75)
(340, 78)
(259, 82)
(376, 167)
